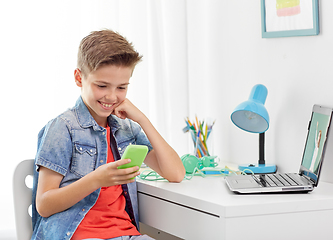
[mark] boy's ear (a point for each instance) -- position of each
(77, 77)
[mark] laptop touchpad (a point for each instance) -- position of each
(249, 182)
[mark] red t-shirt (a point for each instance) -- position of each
(107, 218)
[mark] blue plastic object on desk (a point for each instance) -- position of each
(191, 162)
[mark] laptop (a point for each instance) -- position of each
(319, 137)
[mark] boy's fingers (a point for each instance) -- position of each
(131, 170)
(129, 175)
(126, 170)
(119, 114)
(122, 162)
(118, 110)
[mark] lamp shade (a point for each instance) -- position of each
(252, 115)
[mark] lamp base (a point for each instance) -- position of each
(258, 168)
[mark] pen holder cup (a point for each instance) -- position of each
(202, 144)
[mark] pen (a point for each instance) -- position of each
(200, 131)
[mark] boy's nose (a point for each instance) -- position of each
(111, 96)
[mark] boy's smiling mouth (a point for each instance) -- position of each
(106, 105)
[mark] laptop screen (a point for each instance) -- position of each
(315, 145)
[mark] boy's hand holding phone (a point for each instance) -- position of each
(124, 170)
(137, 154)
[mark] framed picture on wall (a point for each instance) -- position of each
(288, 18)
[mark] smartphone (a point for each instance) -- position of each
(137, 154)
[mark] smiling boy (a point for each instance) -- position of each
(78, 192)
(103, 90)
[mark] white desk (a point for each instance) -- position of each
(204, 208)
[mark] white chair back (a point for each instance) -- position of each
(22, 198)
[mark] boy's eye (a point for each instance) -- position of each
(122, 88)
(101, 86)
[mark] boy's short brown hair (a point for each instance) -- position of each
(105, 47)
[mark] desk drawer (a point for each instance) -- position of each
(181, 221)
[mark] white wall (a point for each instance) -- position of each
(226, 57)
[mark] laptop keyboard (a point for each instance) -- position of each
(278, 179)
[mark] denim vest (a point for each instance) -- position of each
(73, 144)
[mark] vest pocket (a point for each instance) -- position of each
(84, 159)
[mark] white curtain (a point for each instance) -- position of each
(160, 83)
(39, 41)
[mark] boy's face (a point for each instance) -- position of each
(103, 90)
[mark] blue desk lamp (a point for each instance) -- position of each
(252, 116)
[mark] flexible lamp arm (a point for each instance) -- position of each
(262, 148)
